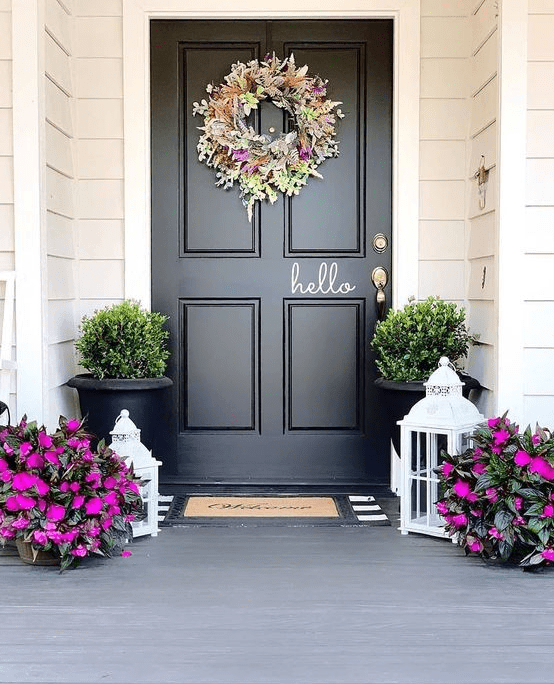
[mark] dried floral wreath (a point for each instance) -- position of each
(262, 165)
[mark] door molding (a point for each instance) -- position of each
(136, 103)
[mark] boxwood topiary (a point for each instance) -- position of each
(123, 341)
(409, 342)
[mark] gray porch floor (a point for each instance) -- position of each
(263, 605)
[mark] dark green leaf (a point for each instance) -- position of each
(502, 519)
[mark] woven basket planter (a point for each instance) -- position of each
(34, 557)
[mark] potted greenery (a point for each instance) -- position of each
(498, 497)
(408, 344)
(61, 500)
(124, 349)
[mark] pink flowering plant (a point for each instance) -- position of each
(499, 495)
(60, 495)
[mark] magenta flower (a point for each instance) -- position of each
(518, 503)
(11, 504)
(491, 494)
(25, 448)
(6, 476)
(55, 512)
(44, 440)
(23, 481)
(20, 523)
(73, 424)
(548, 554)
(479, 468)
(126, 554)
(52, 457)
(536, 439)
(134, 487)
(78, 501)
(55, 536)
(64, 487)
(476, 512)
(94, 506)
(493, 422)
(41, 505)
(519, 521)
(493, 532)
(475, 545)
(75, 487)
(548, 511)
(459, 520)
(522, 458)
(477, 452)
(110, 482)
(542, 467)
(106, 524)
(463, 490)
(25, 502)
(79, 551)
(73, 443)
(41, 487)
(6, 533)
(131, 517)
(114, 510)
(35, 460)
(94, 531)
(70, 535)
(40, 537)
(305, 153)
(501, 436)
(7, 448)
(3, 465)
(447, 468)
(112, 499)
(442, 508)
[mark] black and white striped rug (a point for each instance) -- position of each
(354, 510)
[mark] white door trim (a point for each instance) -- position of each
(136, 103)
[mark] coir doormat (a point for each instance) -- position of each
(240, 509)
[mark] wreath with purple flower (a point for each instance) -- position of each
(264, 166)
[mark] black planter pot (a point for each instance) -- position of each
(146, 399)
(399, 397)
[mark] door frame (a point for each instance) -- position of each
(136, 115)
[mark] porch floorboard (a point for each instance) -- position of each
(263, 605)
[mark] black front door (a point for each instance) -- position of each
(273, 378)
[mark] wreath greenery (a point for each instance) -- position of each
(263, 165)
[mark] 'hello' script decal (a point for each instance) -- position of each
(326, 284)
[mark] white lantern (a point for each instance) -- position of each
(126, 443)
(442, 420)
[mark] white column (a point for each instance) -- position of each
(29, 206)
(512, 109)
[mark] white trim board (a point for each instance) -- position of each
(136, 103)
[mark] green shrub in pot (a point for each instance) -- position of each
(124, 341)
(124, 349)
(409, 342)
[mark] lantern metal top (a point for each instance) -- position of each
(126, 442)
(444, 381)
(124, 427)
(443, 406)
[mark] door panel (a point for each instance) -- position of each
(270, 320)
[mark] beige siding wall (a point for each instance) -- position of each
(482, 229)
(443, 133)
(61, 235)
(6, 161)
(99, 106)
(538, 318)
